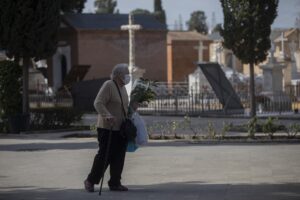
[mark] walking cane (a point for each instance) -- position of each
(106, 158)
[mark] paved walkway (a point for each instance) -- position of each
(42, 167)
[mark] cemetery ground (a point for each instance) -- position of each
(51, 166)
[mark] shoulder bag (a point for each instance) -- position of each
(127, 129)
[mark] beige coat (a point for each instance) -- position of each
(108, 104)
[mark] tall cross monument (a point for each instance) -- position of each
(197, 80)
(134, 71)
(200, 49)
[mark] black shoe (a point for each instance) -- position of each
(88, 186)
(120, 188)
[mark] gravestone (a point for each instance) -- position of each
(37, 82)
(197, 82)
(222, 88)
(274, 98)
(272, 74)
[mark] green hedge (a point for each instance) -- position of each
(53, 118)
(10, 91)
(1, 127)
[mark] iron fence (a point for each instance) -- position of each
(293, 91)
(46, 101)
(181, 105)
(177, 99)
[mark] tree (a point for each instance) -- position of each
(105, 6)
(72, 6)
(28, 30)
(159, 12)
(139, 11)
(217, 28)
(198, 22)
(10, 92)
(10, 88)
(246, 31)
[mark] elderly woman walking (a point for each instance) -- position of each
(110, 116)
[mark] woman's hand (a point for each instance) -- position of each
(110, 119)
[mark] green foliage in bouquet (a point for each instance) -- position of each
(143, 91)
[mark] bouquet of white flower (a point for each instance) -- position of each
(143, 91)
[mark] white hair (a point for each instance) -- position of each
(119, 69)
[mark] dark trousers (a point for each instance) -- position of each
(116, 157)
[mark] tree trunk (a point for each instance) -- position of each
(25, 102)
(252, 91)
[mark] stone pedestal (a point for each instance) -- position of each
(272, 76)
(272, 95)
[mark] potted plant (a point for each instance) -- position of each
(11, 97)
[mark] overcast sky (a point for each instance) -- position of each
(287, 12)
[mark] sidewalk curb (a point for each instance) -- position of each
(229, 142)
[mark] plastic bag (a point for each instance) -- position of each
(131, 147)
(142, 135)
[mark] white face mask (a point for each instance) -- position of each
(126, 79)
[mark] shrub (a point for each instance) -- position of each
(1, 127)
(269, 127)
(252, 127)
(292, 130)
(225, 129)
(211, 131)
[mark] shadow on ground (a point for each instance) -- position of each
(41, 146)
(172, 191)
(49, 146)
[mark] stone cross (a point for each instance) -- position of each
(131, 28)
(200, 49)
(282, 39)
